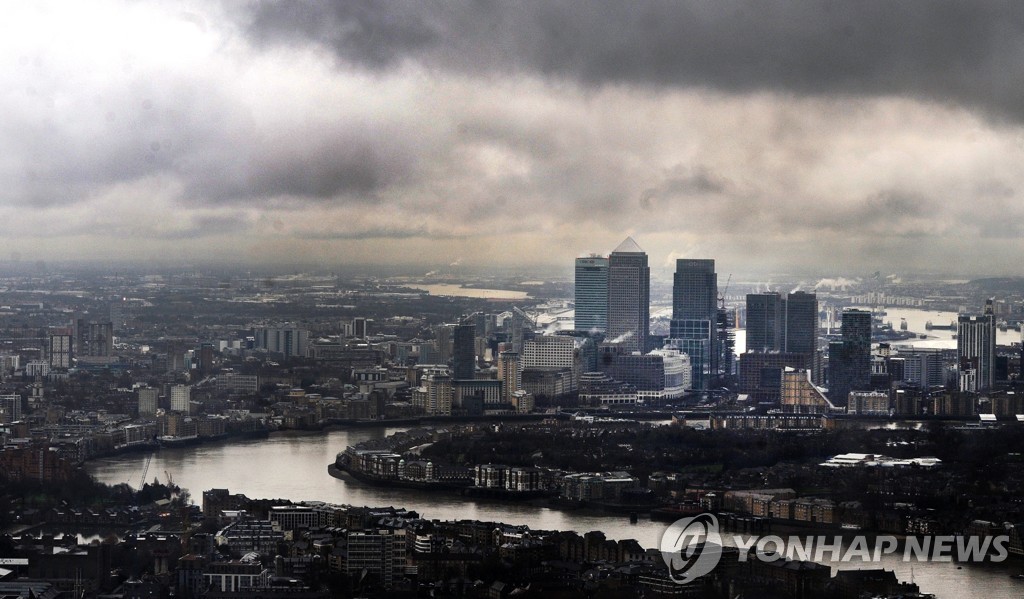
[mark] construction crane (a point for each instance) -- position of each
(725, 290)
(145, 469)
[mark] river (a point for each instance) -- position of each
(450, 290)
(294, 466)
(917, 319)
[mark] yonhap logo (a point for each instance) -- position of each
(691, 547)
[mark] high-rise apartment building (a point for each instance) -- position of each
(59, 351)
(283, 340)
(923, 366)
(94, 339)
(976, 349)
(379, 552)
(629, 296)
(148, 398)
(181, 398)
(591, 293)
(434, 396)
(509, 374)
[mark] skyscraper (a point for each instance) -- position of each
(695, 290)
(766, 326)
(849, 361)
(464, 352)
(629, 296)
(509, 374)
(976, 349)
(592, 293)
(694, 326)
(802, 324)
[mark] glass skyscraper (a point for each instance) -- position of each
(592, 294)
(802, 323)
(849, 361)
(695, 290)
(694, 325)
(629, 296)
(766, 317)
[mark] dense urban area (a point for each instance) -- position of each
(808, 405)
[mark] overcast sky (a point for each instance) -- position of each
(775, 137)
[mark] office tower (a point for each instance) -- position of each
(694, 337)
(147, 401)
(801, 333)
(976, 349)
(694, 328)
(550, 359)
(181, 398)
(548, 351)
(695, 290)
(592, 293)
(59, 351)
(849, 360)
(629, 296)
(464, 352)
(766, 322)
(776, 323)
(661, 375)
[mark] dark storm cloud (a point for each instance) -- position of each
(964, 52)
(195, 132)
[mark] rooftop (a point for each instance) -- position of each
(628, 246)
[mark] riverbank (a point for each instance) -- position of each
(539, 499)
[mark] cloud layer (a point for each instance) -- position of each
(775, 137)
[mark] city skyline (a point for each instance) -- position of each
(433, 134)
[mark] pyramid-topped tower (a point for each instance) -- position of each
(629, 296)
(628, 246)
